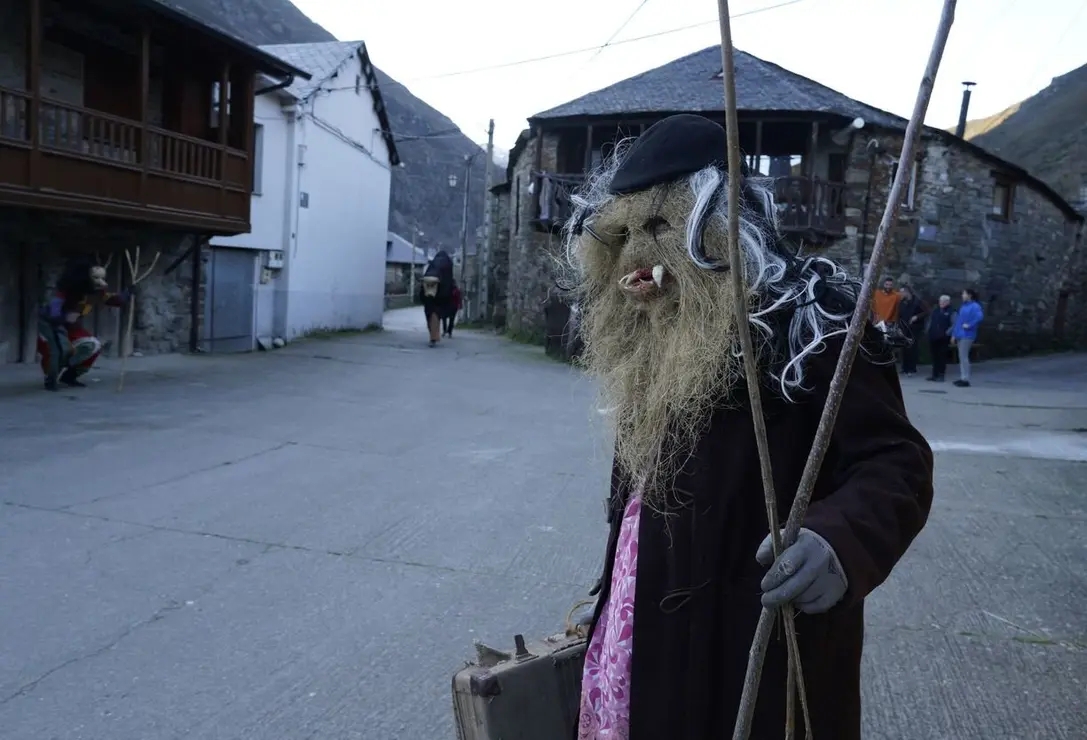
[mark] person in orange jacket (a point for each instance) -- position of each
(450, 318)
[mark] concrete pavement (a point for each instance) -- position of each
(304, 543)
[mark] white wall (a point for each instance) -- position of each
(267, 225)
(337, 265)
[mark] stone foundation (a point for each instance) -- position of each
(42, 243)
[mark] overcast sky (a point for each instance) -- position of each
(872, 50)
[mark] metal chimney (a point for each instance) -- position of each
(960, 130)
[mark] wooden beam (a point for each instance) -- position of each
(34, 87)
(588, 149)
(758, 143)
(224, 130)
(145, 109)
(248, 109)
(813, 148)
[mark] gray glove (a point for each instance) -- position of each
(808, 574)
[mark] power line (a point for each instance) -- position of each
(572, 52)
(619, 30)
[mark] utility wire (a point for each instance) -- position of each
(572, 52)
(619, 30)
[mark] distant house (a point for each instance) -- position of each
(315, 256)
(121, 125)
(400, 257)
(968, 218)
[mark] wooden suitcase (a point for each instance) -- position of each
(533, 693)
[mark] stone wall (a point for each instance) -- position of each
(47, 241)
(946, 242)
(532, 253)
(500, 258)
(949, 239)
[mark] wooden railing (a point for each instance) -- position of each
(81, 153)
(185, 156)
(809, 205)
(82, 132)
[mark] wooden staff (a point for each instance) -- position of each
(137, 277)
(838, 382)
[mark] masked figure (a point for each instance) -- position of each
(67, 349)
(689, 565)
(436, 293)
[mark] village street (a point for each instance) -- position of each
(304, 544)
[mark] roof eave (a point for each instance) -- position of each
(379, 103)
(265, 62)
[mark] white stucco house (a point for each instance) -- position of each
(315, 256)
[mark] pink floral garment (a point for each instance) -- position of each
(605, 683)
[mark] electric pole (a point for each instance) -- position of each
(411, 289)
(464, 229)
(485, 260)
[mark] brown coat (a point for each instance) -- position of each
(697, 597)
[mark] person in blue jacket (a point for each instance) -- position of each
(965, 332)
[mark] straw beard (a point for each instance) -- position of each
(659, 331)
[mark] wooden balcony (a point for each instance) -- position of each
(808, 208)
(91, 162)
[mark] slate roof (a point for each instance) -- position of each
(322, 60)
(177, 13)
(398, 251)
(691, 84)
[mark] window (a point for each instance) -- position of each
(1003, 196)
(258, 157)
(909, 197)
(358, 84)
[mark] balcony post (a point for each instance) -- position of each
(145, 109)
(588, 149)
(758, 144)
(34, 87)
(224, 130)
(812, 148)
(248, 109)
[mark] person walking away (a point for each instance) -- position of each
(451, 316)
(911, 317)
(436, 293)
(939, 337)
(965, 332)
(885, 304)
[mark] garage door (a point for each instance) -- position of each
(228, 317)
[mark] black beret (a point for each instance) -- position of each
(671, 148)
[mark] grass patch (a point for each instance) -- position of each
(324, 332)
(523, 337)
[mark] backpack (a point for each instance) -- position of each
(440, 268)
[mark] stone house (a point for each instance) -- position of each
(121, 125)
(401, 258)
(969, 218)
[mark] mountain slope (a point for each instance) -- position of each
(434, 148)
(1046, 134)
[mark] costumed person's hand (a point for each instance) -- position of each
(808, 574)
(71, 317)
